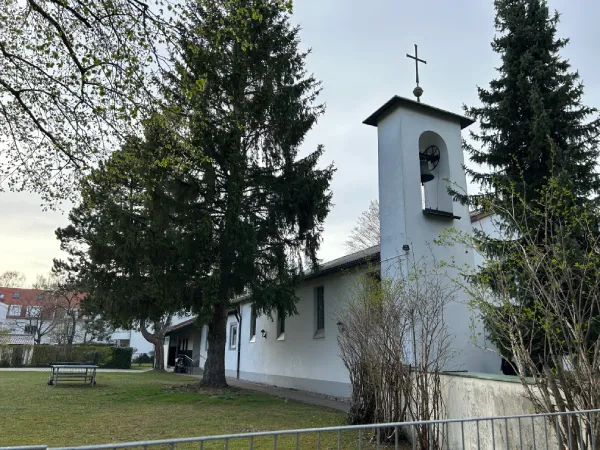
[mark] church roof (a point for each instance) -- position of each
(361, 257)
(366, 256)
(397, 101)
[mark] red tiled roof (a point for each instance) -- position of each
(16, 339)
(31, 297)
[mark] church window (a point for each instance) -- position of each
(252, 323)
(280, 324)
(233, 336)
(320, 311)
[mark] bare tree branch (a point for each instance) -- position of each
(366, 232)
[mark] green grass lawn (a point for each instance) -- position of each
(144, 406)
(144, 366)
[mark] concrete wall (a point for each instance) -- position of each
(478, 395)
(400, 135)
(299, 359)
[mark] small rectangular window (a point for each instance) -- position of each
(183, 345)
(252, 322)
(14, 310)
(30, 329)
(33, 311)
(280, 324)
(320, 307)
(16, 294)
(233, 337)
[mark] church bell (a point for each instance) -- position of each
(426, 174)
(430, 155)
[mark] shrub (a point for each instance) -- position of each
(120, 358)
(143, 358)
(12, 355)
(102, 355)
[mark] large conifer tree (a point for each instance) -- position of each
(532, 119)
(533, 127)
(128, 242)
(250, 103)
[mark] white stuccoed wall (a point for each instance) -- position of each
(299, 360)
(402, 219)
(231, 355)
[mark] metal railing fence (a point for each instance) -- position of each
(577, 430)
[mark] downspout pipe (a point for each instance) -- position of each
(238, 316)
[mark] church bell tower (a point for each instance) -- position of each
(420, 156)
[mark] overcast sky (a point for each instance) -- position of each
(359, 52)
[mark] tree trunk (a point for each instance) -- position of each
(157, 339)
(159, 359)
(71, 336)
(214, 368)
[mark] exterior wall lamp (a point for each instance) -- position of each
(263, 333)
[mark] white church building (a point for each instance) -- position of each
(415, 142)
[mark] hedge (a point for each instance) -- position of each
(12, 355)
(120, 358)
(103, 356)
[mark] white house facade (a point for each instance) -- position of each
(300, 353)
(22, 311)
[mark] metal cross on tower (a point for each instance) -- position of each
(418, 91)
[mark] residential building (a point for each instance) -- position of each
(53, 319)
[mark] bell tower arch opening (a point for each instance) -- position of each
(435, 173)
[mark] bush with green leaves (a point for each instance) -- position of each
(103, 355)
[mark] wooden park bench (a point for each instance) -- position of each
(72, 371)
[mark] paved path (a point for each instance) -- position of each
(292, 394)
(47, 369)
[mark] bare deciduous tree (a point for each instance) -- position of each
(428, 291)
(366, 233)
(55, 310)
(373, 332)
(74, 77)
(394, 343)
(12, 279)
(39, 319)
